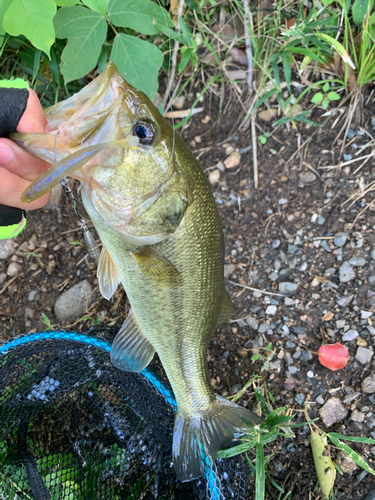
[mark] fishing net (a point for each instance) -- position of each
(72, 426)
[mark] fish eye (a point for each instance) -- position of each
(145, 131)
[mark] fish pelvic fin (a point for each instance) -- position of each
(227, 310)
(107, 274)
(156, 267)
(131, 351)
(197, 438)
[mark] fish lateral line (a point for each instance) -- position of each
(67, 166)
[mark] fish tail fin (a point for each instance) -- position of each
(197, 438)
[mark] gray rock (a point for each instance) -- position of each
(283, 201)
(276, 365)
(320, 400)
(236, 388)
(321, 220)
(32, 295)
(345, 463)
(370, 496)
(366, 314)
(263, 327)
(273, 276)
(3, 277)
(357, 261)
(7, 248)
(346, 272)
(350, 335)
(293, 369)
(257, 342)
(288, 288)
(73, 303)
(357, 416)
(340, 323)
(305, 356)
(276, 244)
(350, 133)
(13, 269)
(373, 254)
(371, 280)
(307, 177)
(345, 301)
(333, 411)
(271, 310)
(252, 322)
(340, 239)
(300, 398)
(363, 355)
(368, 384)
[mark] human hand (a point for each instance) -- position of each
(18, 167)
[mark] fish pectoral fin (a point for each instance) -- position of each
(227, 310)
(198, 437)
(156, 267)
(107, 274)
(131, 351)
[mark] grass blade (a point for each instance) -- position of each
(351, 453)
(260, 481)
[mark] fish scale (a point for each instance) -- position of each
(162, 239)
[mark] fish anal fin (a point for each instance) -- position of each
(131, 351)
(156, 267)
(107, 274)
(227, 310)
(198, 438)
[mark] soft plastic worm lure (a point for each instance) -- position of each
(67, 166)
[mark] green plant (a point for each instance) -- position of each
(124, 31)
(46, 321)
(325, 97)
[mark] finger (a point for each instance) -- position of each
(11, 188)
(33, 120)
(20, 162)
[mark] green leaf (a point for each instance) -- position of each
(317, 98)
(86, 31)
(99, 6)
(287, 69)
(325, 103)
(138, 62)
(66, 3)
(236, 450)
(260, 480)
(351, 438)
(351, 453)
(140, 15)
(333, 96)
(262, 140)
(32, 18)
(359, 10)
(186, 54)
(4, 5)
(326, 87)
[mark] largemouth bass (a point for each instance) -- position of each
(162, 239)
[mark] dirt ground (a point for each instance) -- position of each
(282, 232)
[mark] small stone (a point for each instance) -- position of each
(263, 327)
(72, 303)
(350, 335)
(371, 280)
(368, 384)
(300, 398)
(306, 356)
(228, 270)
(298, 241)
(233, 160)
(325, 246)
(307, 177)
(370, 496)
(350, 133)
(357, 261)
(340, 239)
(214, 176)
(179, 102)
(288, 288)
(257, 342)
(366, 314)
(241, 351)
(320, 400)
(320, 220)
(340, 323)
(333, 411)
(273, 276)
(346, 272)
(236, 388)
(310, 374)
(292, 369)
(344, 301)
(361, 342)
(373, 254)
(32, 295)
(363, 355)
(271, 310)
(7, 248)
(283, 201)
(357, 416)
(346, 464)
(252, 322)
(3, 277)
(276, 244)
(13, 269)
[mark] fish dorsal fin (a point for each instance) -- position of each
(227, 310)
(107, 274)
(131, 351)
(156, 267)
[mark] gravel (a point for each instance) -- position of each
(72, 303)
(363, 355)
(333, 411)
(7, 248)
(346, 273)
(368, 384)
(288, 288)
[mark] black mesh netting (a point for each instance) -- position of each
(72, 426)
